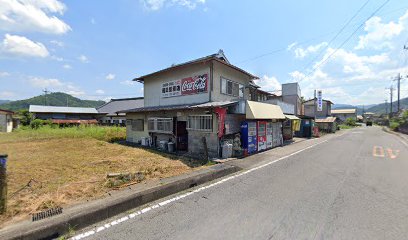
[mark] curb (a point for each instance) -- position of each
(81, 216)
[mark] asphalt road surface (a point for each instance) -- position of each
(352, 186)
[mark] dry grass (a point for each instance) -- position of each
(70, 170)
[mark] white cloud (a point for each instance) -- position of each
(32, 16)
(6, 94)
(110, 76)
(13, 45)
(290, 46)
(57, 43)
(99, 91)
(4, 74)
(83, 59)
(155, 5)
(93, 21)
(268, 83)
(67, 66)
(55, 85)
(303, 52)
(45, 83)
(380, 35)
(128, 82)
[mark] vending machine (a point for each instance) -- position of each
(261, 135)
(268, 135)
(248, 135)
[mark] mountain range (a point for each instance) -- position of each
(375, 108)
(52, 99)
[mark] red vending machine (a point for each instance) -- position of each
(261, 135)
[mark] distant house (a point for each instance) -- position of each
(343, 114)
(65, 115)
(324, 119)
(6, 120)
(115, 105)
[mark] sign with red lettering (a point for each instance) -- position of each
(185, 86)
(194, 85)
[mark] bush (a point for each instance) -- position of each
(394, 125)
(36, 123)
(350, 122)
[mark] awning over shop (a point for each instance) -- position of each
(291, 117)
(258, 110)
(325, 120)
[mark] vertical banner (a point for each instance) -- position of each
(319, 101)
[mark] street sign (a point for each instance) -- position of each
(319, 101)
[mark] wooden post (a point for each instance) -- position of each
(3, 183)
(205, 149)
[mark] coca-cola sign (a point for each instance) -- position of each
(194, 85)
(185, 86)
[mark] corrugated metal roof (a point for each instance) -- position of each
(179, 107)
(54, 109)
(291, 117)
(343, 111)
(325, 120)
(258, 110)
(116, 105)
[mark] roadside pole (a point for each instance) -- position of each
(3, 183)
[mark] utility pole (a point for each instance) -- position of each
(45, 91)
(386, 106)
(398, 79)
(391, 92)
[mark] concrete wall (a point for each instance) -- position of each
(287, 108)
(6, 123)
(309, 109)
(289, 89)
(135, 136)
(153, 86)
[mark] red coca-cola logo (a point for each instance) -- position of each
(194, 85)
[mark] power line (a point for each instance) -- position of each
(345, 41)
(337, 34)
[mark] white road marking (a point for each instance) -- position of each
(161, 204)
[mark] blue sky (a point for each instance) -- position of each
(92, 49)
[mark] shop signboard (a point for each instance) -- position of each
(186, 86)
(319, 101)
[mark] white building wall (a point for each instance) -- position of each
(287, 108)
(6, 123)
(153, 86)
(222, 71)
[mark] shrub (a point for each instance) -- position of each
(350, 122)
(36, 123)
(394, 125)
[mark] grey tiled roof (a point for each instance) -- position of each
(116, 105)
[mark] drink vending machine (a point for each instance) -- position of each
(261, 135)
(268, 135)
(249, 138)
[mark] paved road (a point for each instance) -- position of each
(354, 186)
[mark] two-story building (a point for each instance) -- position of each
(323, 119)
(201, 99)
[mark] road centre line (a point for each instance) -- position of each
(163, 203)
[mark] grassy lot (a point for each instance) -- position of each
(51, 167)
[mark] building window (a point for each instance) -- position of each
(164, 125)
(231, 88)
(137, 125)
(200, 123)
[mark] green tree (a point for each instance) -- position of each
(25, 117)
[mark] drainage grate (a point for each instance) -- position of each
(47, 213)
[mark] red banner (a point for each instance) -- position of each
(194, 85)
(221, 112)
